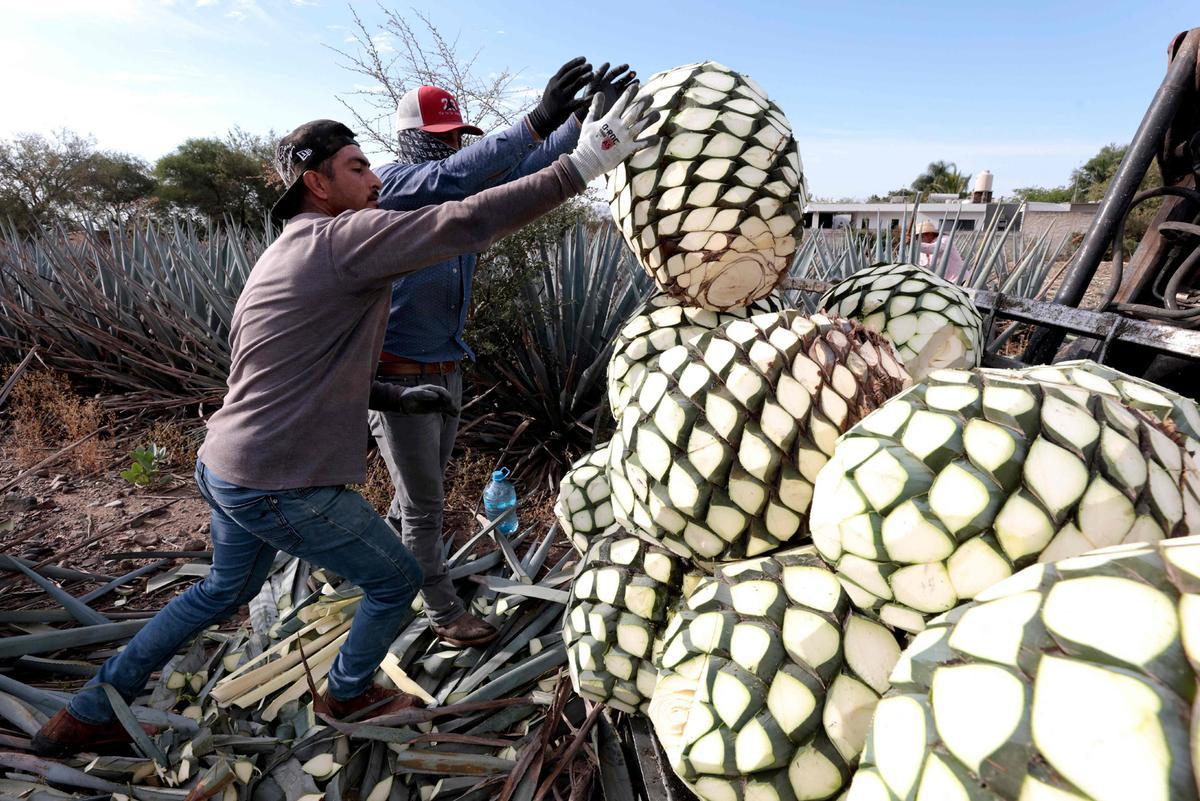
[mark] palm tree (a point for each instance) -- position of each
(941, 176)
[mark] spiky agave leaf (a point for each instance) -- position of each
(584, 505)
(545, 395)
(932, 322)
(660, 324)
(1067, 680)
(717, 451)
(619, 602)
(141, 308)
(767, 680)
(714, 211)
(955, 484)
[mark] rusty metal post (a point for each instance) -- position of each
(1179, 83)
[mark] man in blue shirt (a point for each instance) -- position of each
(424, 342)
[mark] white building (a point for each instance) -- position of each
(947, 214)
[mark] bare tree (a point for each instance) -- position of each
(400, 55)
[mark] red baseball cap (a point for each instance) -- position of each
(432, 109)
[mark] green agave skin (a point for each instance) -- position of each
(618, 604)
(584, 504)
(1070, 680)
(964, 479)
(767, 680)
(932, 322)
(716, 453)
(661, 324)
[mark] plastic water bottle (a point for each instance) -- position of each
(498, 497)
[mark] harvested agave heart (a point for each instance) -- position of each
(714, 211)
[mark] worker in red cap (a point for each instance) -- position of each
(424, 344)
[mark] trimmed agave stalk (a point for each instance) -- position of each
(961, 481)
(767, 681)
(714, 211)
(717, 452)
(662, 323)
(1066, 680)
(619, 602)
(932, 322)
(584, 506)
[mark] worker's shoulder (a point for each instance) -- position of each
(312, 224)
(384, 171)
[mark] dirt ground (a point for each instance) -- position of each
(1092, 298)
(55, 517)
(1095, 291)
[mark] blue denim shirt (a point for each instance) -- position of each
(429, 307)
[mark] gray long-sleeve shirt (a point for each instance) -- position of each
(308, 327)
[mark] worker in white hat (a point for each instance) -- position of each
(935, 249)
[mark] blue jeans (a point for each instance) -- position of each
(331, 527)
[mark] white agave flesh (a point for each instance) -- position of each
(720, 133)
(976, 473)
(946, 331)
(1062, 684)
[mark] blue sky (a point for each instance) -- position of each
(874, 90)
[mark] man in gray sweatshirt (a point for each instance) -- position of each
(292, 433)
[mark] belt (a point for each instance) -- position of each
(397, 366)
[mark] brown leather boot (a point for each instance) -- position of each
(467, 631)
(66, 734)
(375, 701)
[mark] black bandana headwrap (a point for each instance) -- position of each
(415, 146)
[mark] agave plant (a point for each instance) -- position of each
(994, 258)
(143, 310)
(541, 402)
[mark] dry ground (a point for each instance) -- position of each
(77, 518)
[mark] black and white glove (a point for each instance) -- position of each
(610, 83)
(559, 99)
(421, 399)
(609, 137)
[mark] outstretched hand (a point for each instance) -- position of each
(610, 83)
(608, 138)
(559, 99)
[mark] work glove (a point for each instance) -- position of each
(609, 137)
(610, 83)
(558, 100)
(421, 399)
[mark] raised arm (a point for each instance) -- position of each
(609, 82)
(481, 164)
(374, 247)
(492, 159)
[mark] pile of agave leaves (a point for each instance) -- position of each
(234, 710)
